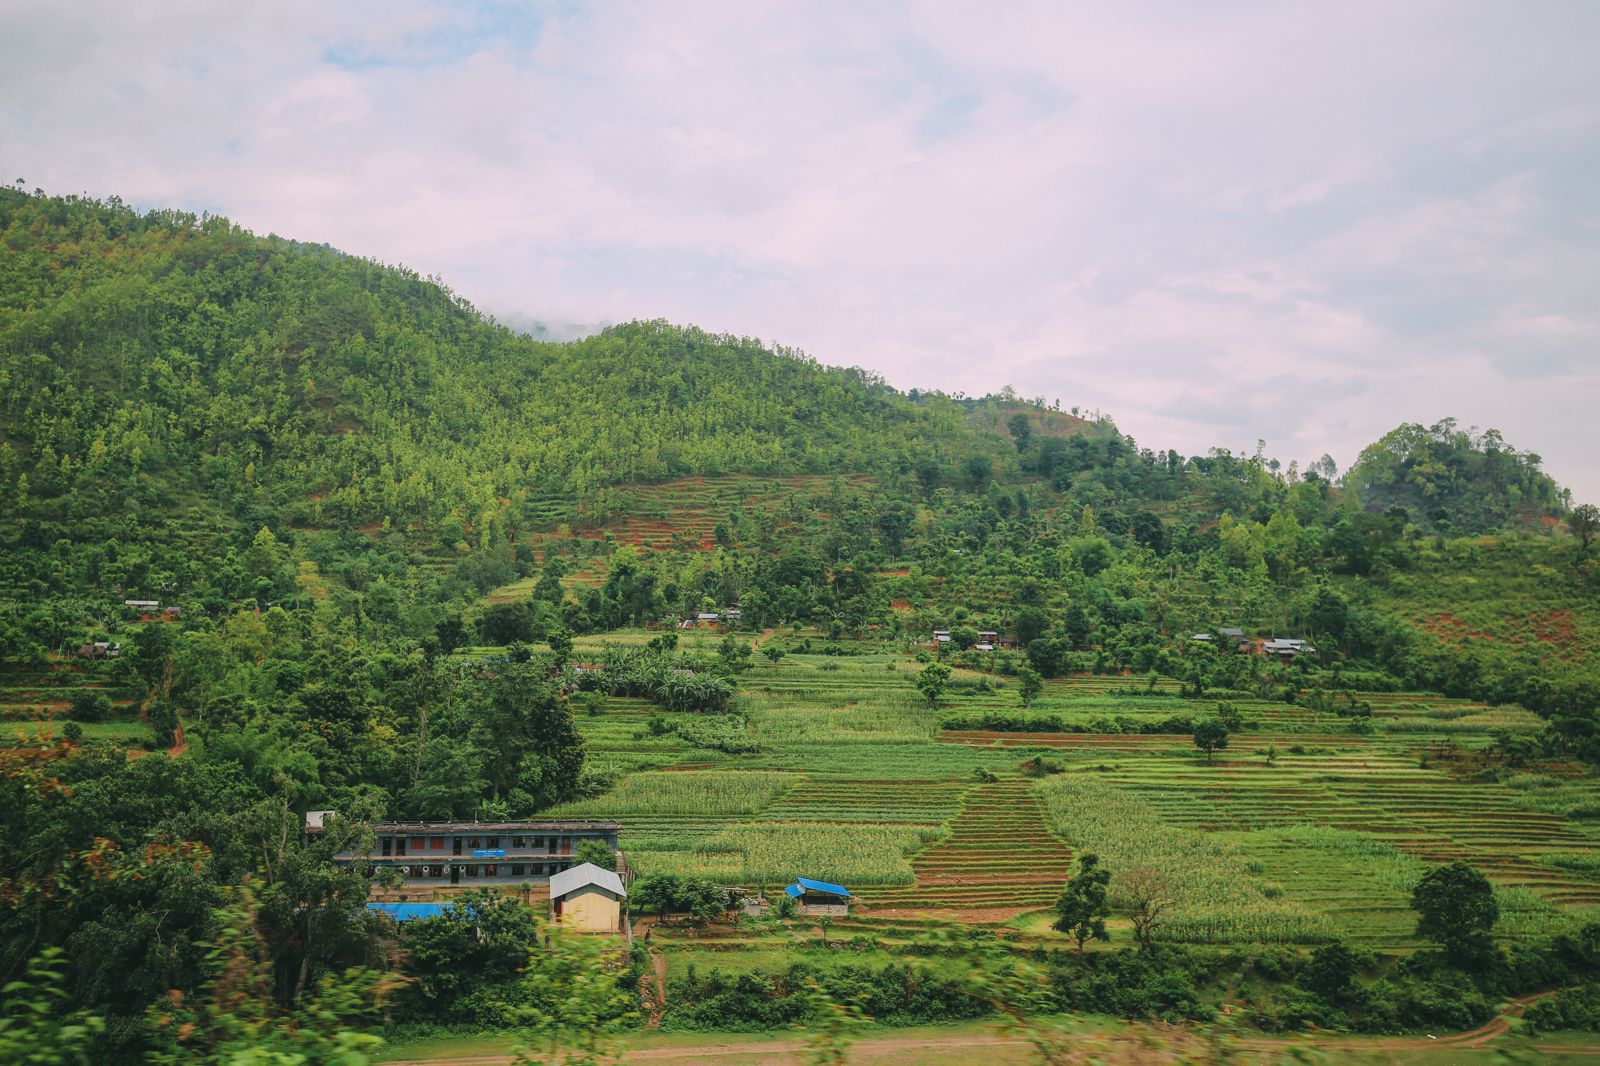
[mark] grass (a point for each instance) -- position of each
(697, 793)
(1322, 838)
(774, 853)
(113, 730)
(1219, 896)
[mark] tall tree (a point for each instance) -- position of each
(1085, 903)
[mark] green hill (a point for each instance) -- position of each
(413, 565)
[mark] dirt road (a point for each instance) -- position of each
(1137, 1045)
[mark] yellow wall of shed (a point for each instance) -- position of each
(592, 909)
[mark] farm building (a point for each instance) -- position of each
(100, 649)
(588, 898)
(465, 854)
(941, 636)
(819, 898)
(408, 912)
(728, 615)
(1286, 649)
(1225, 638)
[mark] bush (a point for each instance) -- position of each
(90, 707)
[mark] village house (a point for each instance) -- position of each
(100, 649)
(728, 616)
(588, 898)
(819, 899)
(443, 855)
(1227, 638)
(1286, 649)
(941, 636)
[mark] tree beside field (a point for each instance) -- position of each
(1084, 905)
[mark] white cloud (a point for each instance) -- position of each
(1214, 222)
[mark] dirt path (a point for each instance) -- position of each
(1115, 1047)
(658, 1004)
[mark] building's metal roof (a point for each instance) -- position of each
(806, 884)
(408, 912)
(426, 828)
(570, 880)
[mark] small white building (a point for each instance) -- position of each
(587, 898)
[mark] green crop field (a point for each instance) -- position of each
(1302, 830)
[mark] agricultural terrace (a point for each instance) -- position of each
(680, 515)
(1308, 826)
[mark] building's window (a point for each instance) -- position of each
(419, 843)
(491, 842)
(399, 845)
(438, 871)
(388, 845)
(436, 843)
(489, 869)
(471, 871)
(474, 842)
(519, 842)
(538, 842)
(517, 869)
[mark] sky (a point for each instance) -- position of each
(1305, 223)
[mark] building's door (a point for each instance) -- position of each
(455, 874)
(455, 845)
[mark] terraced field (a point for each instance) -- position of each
(998, 861)
(1331, 823)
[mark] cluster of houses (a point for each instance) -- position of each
(988, 639)
(728, 616)
(1284, 649)
(152, 611)
(146, 610)
(434, 858)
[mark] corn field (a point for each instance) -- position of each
(1217, 899)
(721, 792)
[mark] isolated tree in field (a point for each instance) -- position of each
(1584, 521)
(932, 682)
(659, 893)
(1456, 909)
(773, 653)
(1029, 685)
(1085, 903)
(1210, 736)
(1145, 894)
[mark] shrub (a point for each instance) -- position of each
(90, 707)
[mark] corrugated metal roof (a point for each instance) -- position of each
(588, 873)
(803, 884)
(408, 912)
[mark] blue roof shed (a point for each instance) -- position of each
(803, 885)
(408, 912)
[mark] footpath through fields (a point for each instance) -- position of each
(1097, 1041)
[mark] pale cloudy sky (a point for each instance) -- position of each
(1215, 222)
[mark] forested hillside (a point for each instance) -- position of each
(174, 373)
(393, 559)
